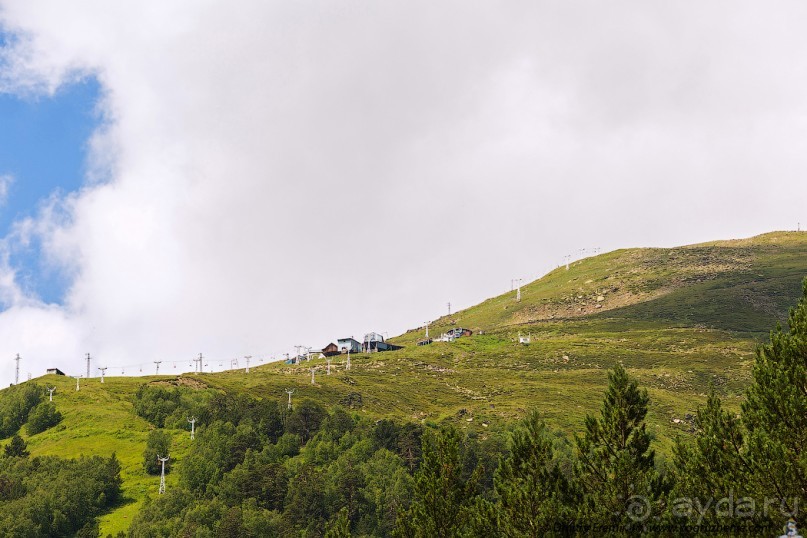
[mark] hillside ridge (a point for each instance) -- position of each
(682, 320)
(764, 272)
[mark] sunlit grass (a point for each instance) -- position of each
(682, 321)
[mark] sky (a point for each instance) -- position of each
(194, 177)
(42, 154)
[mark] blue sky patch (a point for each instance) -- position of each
(43, 146)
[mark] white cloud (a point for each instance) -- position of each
(5, 182)
(283, 173)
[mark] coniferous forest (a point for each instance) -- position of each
(258, 468)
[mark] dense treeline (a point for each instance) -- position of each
(169, 406)
(50, 496)
(263, 471)
(256, 470)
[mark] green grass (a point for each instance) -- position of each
(98, 420)
(681, 320)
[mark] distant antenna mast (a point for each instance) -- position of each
(192, 420)
(449, 308)
(427, 330)
(158, 367)
(103, 371)
(518, 289)
(247, 357)
(328, 360)
(17, 372)
(88, 365)
(289, 392)
(162, 473)
(50, 390)
(201, 370)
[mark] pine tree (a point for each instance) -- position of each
(533, 495)
(615, 462)
(339, 526)
(714, 466)
(775, 413)
(758, 455)
(17, 448)
(443, 501)
(231, 524)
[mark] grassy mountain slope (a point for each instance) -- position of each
(98, 420)
(736, 285)
(681, 320)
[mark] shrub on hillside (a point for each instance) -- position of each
(15, 404)
(42, 417)
(158, 444)
(168, 406)
(16, 448)
(155, 404)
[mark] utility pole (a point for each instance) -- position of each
(17, 372)
(50, 390)
(247, 357)
(77, 378)
(158, 367)
(427, 330)
(103, 371)
(328, 360)
(289, 392)
(88, 365)
(162, 473)
(192, 420)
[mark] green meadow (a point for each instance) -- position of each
(681, 320)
